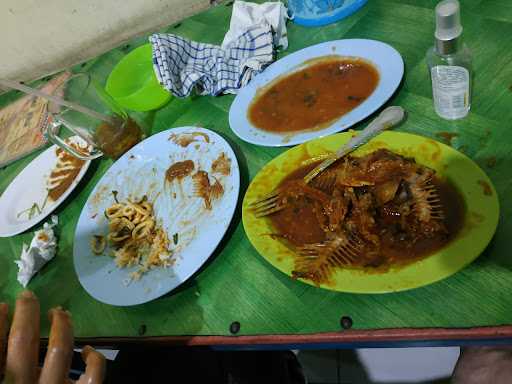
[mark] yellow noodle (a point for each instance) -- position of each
(139, 218)
(128, 211)
(114, 211)
(136, 237)
(142, 208)
(143, 229)
(116, 237)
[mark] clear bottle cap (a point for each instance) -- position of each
(448, 20)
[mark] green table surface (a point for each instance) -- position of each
(237, 284)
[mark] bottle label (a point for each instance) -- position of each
(450, 86)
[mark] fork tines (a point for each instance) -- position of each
(434, 200)
(325, 181)
(269, 204)
(342, 251)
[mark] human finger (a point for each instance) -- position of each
(95, 366)
(487, 364)
(60, 348)
(4, 328)
(23, 343)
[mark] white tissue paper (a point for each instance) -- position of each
(247, 15)
(41, 250)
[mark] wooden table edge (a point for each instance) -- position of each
(381, 336)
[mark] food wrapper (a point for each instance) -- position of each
(41, 250)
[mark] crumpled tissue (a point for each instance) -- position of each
(41, 250)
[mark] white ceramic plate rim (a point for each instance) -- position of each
(34, 172)
(385, 58)
(99, 276)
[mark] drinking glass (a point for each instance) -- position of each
(105, 126)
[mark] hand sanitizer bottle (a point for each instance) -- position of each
(449, 63)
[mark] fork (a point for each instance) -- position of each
(343, 251)
(391, 116)
(431, 200)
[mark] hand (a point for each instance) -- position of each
(21, 363)
(484, 365)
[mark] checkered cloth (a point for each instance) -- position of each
(182, 65)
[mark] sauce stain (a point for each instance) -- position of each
(100, 195)
(447, 136)
(67, 169)
(222, 165)
(179, 170)
(205, 190)
(485, 187)
(436, 155)
(287, 138)
(185, 139)
(42, 237)
(490, 161)
(476, 218)
(426, 150)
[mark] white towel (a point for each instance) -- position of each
(246, 14)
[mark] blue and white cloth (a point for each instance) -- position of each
(182, 65)
(255, 30)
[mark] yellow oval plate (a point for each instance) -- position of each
(481, 217)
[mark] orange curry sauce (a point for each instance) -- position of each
(311, 98)
(298, 224)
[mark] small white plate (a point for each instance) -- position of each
(29, 187)
(385, 58)
(139, 172)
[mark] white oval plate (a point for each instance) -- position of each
(29, 187)
(139, 172)
(385, 58)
